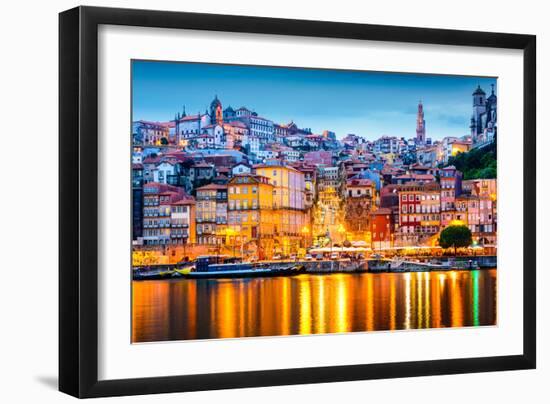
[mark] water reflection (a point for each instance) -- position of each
(311, 304)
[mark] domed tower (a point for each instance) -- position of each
(229, 114)
(216, 112)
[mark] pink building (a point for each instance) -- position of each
(451, 188)
(318, 157)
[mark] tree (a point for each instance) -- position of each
(477, 163)
(455, 236)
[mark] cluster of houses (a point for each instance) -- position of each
(232, 179)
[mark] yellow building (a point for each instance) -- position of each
(250, 215)
(289, 213)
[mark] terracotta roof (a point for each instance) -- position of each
(167, 161)
(190, 118)
(211, 186)
(359, 182)
(151, 160)
(423, 177)
(202, 164)
(188, 200)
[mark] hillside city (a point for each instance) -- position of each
(231, 181)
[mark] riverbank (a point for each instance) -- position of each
(289, 268)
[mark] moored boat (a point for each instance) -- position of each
(242, 270)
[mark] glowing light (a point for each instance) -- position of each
(392, 303)
(407, 324)
(457, 222)
(321, 326)
(341, 306)
(305, 306)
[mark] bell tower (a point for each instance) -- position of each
(420, 125)
(216, 112)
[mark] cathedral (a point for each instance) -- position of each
(483, 124)
(208, 130)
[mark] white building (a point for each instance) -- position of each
(162, 171)
(291, 155)
(267, 154)
(241, 168)
(386, 144)
(252, 142)
(190, 126)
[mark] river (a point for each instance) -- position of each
(185, 309)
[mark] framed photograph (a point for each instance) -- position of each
(252, 202)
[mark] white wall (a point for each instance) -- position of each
(28, 297)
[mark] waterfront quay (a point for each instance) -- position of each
(305, 304)
(289, 268)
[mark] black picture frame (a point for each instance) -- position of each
(78, 196)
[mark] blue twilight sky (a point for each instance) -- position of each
(368, 104)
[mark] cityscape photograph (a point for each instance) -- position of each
(278, 201)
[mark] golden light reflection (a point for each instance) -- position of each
(457, 316)
(285, 307)
(321, 299)
(225, 308)
(370, 304)
(407, 323)
(427, 301)
(436, 296)
(305, 306)
(392, 303)
(341, 304)
(419, 300)
(310, 304)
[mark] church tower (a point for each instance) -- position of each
(216, 112)
(420, 125)
(480, 107)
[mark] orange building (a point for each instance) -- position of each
(250, 217)
(289, 213)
